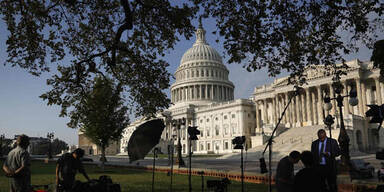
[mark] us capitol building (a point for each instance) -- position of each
(204, 96)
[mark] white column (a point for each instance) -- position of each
(320, 105)
(359, 97)
(364, 95)
(257, 115)
(308, 106)
(303, 110)
(298, 115)
(173, 96)
(314, 108)
(289, 111)
(222, 93)
(265, 114)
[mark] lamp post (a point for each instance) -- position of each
(50, 137)
(343, 136)
(178, 123)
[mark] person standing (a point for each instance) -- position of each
(67, 166)
(284, 172)
(17, 166)
(324, 151)
(307, 179)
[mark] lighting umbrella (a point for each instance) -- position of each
(144, 138)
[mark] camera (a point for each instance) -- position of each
(218, 185)
(238, 142)
(193, 132)
(380, 155)
(263, 166)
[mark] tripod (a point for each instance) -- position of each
(153, 168)
(269, 144)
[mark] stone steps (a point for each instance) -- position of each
(298, 138)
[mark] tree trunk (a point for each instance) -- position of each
(103, 159)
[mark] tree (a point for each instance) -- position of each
(125, 40)
(378, 57)
(121, 39)
(103, 116)
(58, 145)
(290, 35)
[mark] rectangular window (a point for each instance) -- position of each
(226, 145)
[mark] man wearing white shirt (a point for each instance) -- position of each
(324, 151)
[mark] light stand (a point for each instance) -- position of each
(269, 144)
(192, 132)
(239, 144)
(343, 136)
(153, 168)
(172, 154)
(202, 180)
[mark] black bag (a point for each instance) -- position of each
(380, 188)
(108, 185)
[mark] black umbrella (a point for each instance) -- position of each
(144, 138)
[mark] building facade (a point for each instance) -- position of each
(306, 109)
(92, 149)
(204, 96)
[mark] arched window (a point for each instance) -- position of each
(217, 130)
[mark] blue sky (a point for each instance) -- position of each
(22, 111)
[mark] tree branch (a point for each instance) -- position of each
(90, 58)
(126, 26)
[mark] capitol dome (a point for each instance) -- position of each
(202, 77)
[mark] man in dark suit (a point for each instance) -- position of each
(324, 151)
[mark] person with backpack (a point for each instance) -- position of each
(66, 168)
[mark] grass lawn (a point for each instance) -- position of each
(129, 180)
